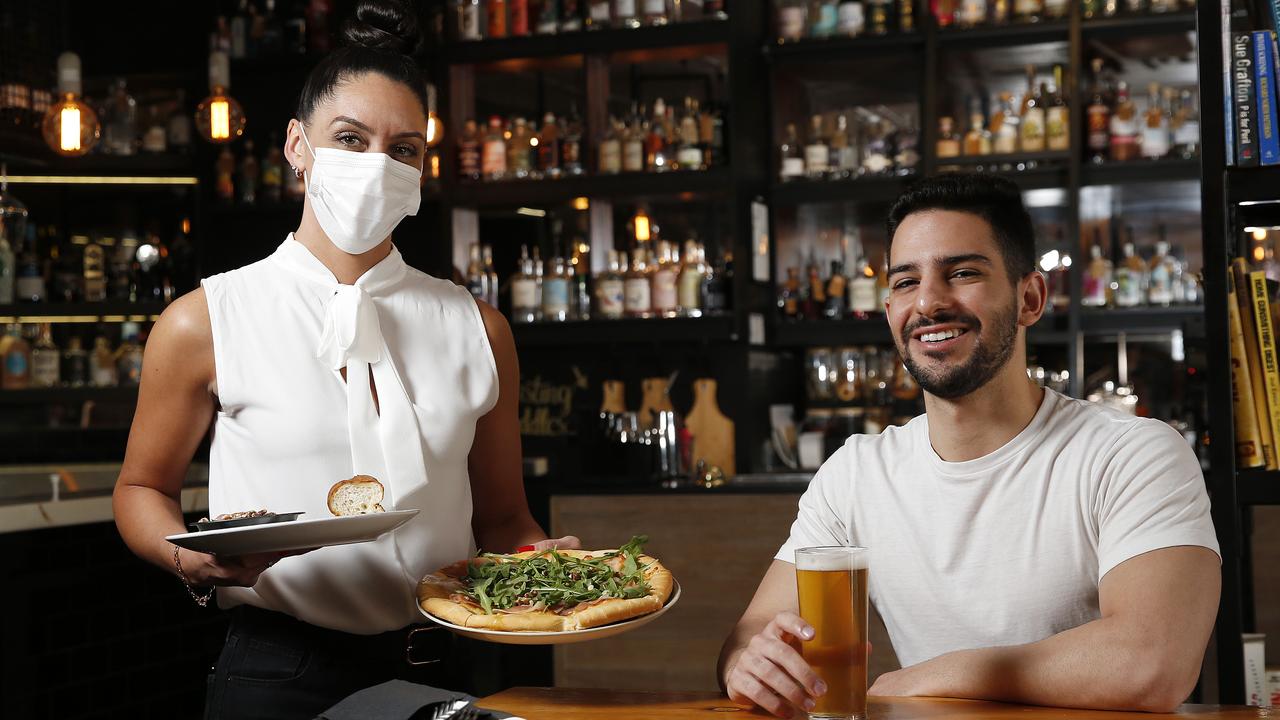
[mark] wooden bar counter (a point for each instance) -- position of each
(596, 704)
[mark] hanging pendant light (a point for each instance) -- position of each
(70, 127)
(435, 128)
(219, 118)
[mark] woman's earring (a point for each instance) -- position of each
(297, 172)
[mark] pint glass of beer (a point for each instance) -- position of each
(832, 583)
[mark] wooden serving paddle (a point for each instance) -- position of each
(615, 398)
(655, 397)
(712, 431)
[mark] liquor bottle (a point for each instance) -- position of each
(717, 149)
(1098, 137)
(844, 150)
(469, 151)
(655, 143)
(1005, 125)
(1090, 9)
(689, 154)
(8, 269)
(549, 147)
(496, 13)
(179, 128)
(948, 145)
(599, 14)
(247, 182)
(224, 171)
(580, 282)
(717, 285)
(850, 19)
(1124, 126)
(493, 160)
(690, 281)
(15, 360)
(1186, 126)
(944, 12)
(792, 161)
(665, 294)
(29, 283)
(518, 18)
(714, 10)
(654, 12)
(791, 20)
(609, 153)
(971, 13)
(525, 305)
(823, 18)
(129, 355)
(75, 370)
(1155, 125)
(610, 288)
(817, 157)
(877, 150)
(1131, 278)
(1055, 10)
(537, 279)
(571, 144)
(120, 121)
(94, 264)
(477, 283)
(978, 140)
(707, 137)
(273, 172)
(469, 13)
(834, 306)
(555, 291)
(624, 14)
(1028, 11)
(1059, 282)
(1165, 275)
(1000, 12)
(1163, 6)
(102, 363)
(490, 276)
(518, 164)
(789, 295)
(633, 142)
(1097, 279)
(864, 300)
(46, 361)
(878, 18)
(1057, 116)
(1032, 138)
(813, 296)
(571, 15)
(637, 291)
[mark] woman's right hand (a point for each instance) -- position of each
(203, 569)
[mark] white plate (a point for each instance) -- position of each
(294, 534)
(558, 637)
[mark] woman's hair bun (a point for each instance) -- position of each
(386, 25)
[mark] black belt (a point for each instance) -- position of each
(417, 644)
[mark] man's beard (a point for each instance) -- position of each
(989, 356)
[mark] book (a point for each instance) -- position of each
(1240, 275)
(1228, 94)
(1248, 443)
(1264, 77)
(1259, 298)
(1244, 114)
(1255, 669)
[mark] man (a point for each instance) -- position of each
(1025, 546)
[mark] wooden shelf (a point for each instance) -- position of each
(589, 42)
(996, 36)
(44, 396)
(716, 328)
(1258, 487)
(625, 185)
(878, 188)
(1257, 184)
(1140, 171)
(838, 48)
(1131, 25)
(81, 309)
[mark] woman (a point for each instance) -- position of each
(329, 358)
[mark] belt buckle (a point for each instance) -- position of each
(408, 647)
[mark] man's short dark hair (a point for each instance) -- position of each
(991, 197)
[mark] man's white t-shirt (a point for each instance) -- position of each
(1008, 548)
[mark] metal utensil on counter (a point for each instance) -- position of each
(452, 709)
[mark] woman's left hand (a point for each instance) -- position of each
(568, 542)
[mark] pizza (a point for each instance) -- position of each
(548, 590)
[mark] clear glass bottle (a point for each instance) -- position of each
(525, 306)
(624, 14)
(638, 292)
(1057, 116)
(1186, 126)
(102, 363)
(689, 154)
(610, 151)
(789, 295)
(518, 164)
(655, 142)
(580, 282)
(1005, 124)
(490, 276)
(971, 13)
(1097, 279)
(665, 293)
(493, 159)
(120, 121)
(792, 20)
(1098, 114)
(94, 278)
(978, 140)
(1165, 275)
(1031, 138)
(1124, 127)
(469, 14)
(877, 150)
(1130, 278)
(469, 167)
(792, 161)
(610, 291)
(633, 143)
(1155, 125)
(692, 274)
(549, 147)
(571, 144)
(823, 18)
(477, 283)
(817, 155)
(46, 361)
(948, 145)
(851, 20)
(555, 291)
(864, 300)
(129, 356)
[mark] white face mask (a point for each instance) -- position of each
(359, 198)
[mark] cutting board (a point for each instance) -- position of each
(615, 398)
(712, 432)
(654, 398)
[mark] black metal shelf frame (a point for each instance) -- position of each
(42, 396)
(98, 310)
(588, 42)
(709, 329)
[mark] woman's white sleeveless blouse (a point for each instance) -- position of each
(289, 426)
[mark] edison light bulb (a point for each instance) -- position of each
(70, 127)
(219, 118)
(435, 128)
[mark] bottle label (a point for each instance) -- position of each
(1128, 293)
(633, 157)
(611, 297)
(470, 22)
(1098, 122)
(524, 294)
(862, 295)
(655, 7)
(469, 158)
(624, 8)
(972, 12)
(44, 368)
(610, 157)
(555, 296)
(792, 167)
(1160, 291)
(826, 21)
(15, 364)
(791, 23)
(1155, 141)
(690, 290)
(495, 157)
(665, 297)
(638, 298)
(1188, 133)
(816, 158)
(1056, 128)
(690, 158)
(600, 12)
(30, 288)
(850, 19)
(1033, 129)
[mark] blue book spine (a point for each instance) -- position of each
(1264, 84)
(1228, 107)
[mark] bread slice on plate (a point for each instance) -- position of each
(360, 495)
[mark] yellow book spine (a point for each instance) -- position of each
(1244, 298)
(1267, 350)
(1248, 444)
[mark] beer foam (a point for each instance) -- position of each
(833, 559)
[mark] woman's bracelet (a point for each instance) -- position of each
(201, 600)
